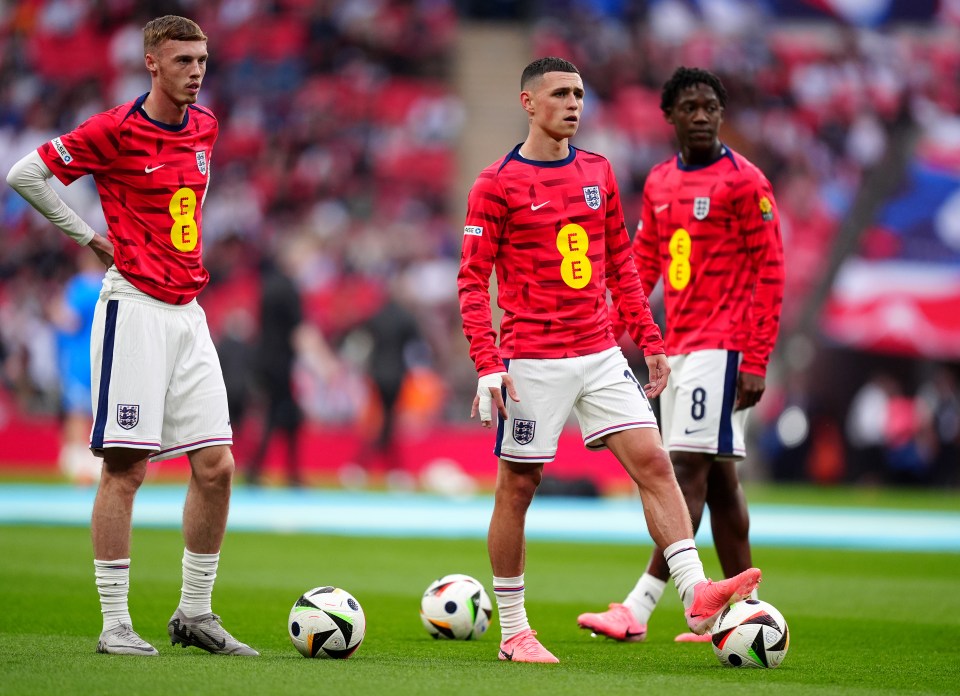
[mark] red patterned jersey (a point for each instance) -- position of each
(152, 179)
(713, 234)
(555, 233)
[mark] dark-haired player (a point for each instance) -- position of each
(710, 229)
(547, 218)
(158, 390)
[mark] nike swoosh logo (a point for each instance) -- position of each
(506, 655)
(537, 207)
(687, 431)
(151, 170)
(661, 208)
(222, 643)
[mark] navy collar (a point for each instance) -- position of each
(138, 106)
(515, 155)
(724, 152)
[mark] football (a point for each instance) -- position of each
(751, 633)
(327, 622)
(456, 607)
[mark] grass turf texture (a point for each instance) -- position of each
(861, 622)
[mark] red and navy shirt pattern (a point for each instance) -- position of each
(713, 234)
(554, 232)
(152, 178)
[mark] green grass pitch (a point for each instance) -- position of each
(861, 622)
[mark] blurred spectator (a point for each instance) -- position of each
(940, 396)
(281, 317)
(72, 316)
(236, 352)
(892, 435)
(391, 342)
(866, 428)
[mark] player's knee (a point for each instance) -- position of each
(122, 477)
(124, 467)
(517, 488)
(214, 469)
(654, 470)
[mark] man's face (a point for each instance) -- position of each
(178, 68)
(696, 117)
(554, 102)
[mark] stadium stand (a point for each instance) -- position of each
(343, 126)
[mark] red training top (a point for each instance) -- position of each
(152, 178)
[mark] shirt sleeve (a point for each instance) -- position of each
(624, 281)
(646, 247)
(486, 213)
(90, 148)
(761, 231)
(29, 177)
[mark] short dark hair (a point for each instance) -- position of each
(544, 65)
(170, 27)
(683, 78)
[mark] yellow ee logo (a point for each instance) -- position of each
(681, 247)
(573, 244)
(184, 232)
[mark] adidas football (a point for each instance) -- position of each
(456, 607)
(327, 622)
(751, 633)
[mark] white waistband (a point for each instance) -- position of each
(115, 286)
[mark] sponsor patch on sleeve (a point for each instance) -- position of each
(62, 151)
(766, 209)
(473, 230)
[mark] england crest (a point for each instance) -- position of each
(523, 431)
(701, 207)
(128, 415)
(202, 162)
(591, 195)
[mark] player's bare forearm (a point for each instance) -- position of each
(659, 370)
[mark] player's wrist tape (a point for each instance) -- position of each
(484, 385)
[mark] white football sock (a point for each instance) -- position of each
(199, 572)
(643, 599)
(113, 584)
(685, 568)
(510, 609)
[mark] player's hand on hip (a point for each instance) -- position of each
(750, 388)
(659, 370)
(103, 248)
(489, 394)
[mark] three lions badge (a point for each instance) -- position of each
(128, 415)
(523, 431)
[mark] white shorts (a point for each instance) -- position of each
(600, 389)
(697, 407)
(156, 378)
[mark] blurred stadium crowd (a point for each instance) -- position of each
(340, 123)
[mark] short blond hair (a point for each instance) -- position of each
(170, 28)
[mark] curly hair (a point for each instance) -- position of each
(683, 78)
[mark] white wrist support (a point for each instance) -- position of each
(484, 385)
